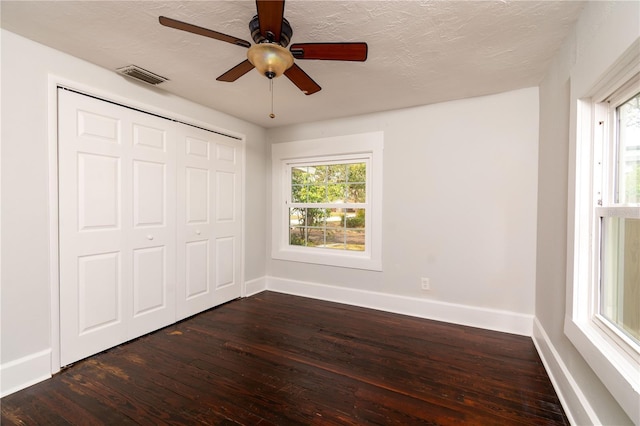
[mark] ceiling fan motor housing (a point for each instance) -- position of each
(285, 34)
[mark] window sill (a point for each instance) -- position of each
(617, 371)
(354, 260)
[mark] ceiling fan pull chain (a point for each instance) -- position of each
(272, 115)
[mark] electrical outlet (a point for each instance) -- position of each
(424, 283)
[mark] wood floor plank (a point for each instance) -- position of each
(275, 359)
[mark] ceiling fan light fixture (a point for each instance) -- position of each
(270, 59)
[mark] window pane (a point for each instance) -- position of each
(315, 237)
(337, 173)
(355, 218)
(620, 281)
(316, 193)
(298, 194)
(336, 192)
(299, 175)
(319, 174)
(356, 193)
(296, 216)
(355, 240)
(336, 218)
(309, 193)
(335, 239)
(315, 217)
(297, 236)
(629, 151)
(357, 172)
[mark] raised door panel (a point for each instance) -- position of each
(197, 147)
(149, 280)
(225, 261)
(149, 193)
(226, 196)
(98, 192)
(151, 137)
(198, 194)
(227, 154)
(197, 278)
(99, 291)
(98, 125)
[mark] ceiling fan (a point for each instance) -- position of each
(271, 33)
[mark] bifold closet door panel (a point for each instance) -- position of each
(153, 225)
(117, 230)
(208, 255)
(196, 252)
(228, 220)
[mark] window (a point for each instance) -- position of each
(603, 305)
(617, 211)
(327, 201)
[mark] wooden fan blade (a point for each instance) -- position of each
(302, 80)
(236, 72)
(330, 51)
(270, 14)
(179, 25)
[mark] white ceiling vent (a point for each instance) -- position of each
(141, 74)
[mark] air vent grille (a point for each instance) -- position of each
(141, 74)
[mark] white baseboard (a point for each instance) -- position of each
(491, 319)
(24, 372)
(575, 404)
(255, 286)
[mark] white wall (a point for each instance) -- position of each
(459, 195)
(603, 32)
(26, 135)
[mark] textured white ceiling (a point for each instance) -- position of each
(420, 52)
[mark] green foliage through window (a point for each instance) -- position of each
(629, 150)
(333, 183)
(340, 223)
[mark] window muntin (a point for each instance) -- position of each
(328, 204)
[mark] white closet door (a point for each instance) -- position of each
(117, 225)
(228, 220)
(153, 234)
(209, 224)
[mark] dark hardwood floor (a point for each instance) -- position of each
(275, 359)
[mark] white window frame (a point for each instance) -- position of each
(605, 193)
(365, 147)
(611, 354)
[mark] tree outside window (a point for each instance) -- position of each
(328, 205)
